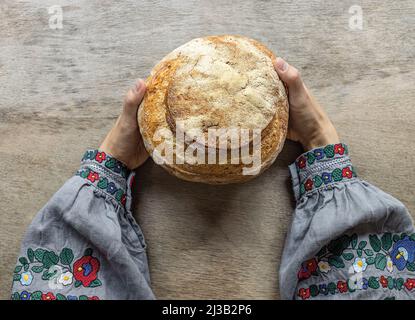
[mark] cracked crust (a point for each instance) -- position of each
(220, 82)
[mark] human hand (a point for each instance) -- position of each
(308, 123)
(124, 141)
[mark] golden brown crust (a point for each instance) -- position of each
(155, 113)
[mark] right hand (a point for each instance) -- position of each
(308, 123)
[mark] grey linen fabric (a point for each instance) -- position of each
(348, 239)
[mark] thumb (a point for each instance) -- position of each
(133, 99)
(289, 75)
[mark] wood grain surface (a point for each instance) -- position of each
(61, 90)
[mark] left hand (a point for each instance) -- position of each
(124, 141)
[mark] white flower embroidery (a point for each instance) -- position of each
(26, 278)
(359, 264)
(66, 278)
(324, 267)
(389, 264)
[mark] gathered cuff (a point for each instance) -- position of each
(108, 175)
(321, 168)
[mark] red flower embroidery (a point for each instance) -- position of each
(304, 293)
(308, 184)
(342, 286)
(302, 162)
(93, 298)
(100, 156)
(48, 296)
(123, 199)
(93, 176)
(409, 284)
(347, 173)
(383, 281)
(338, 148)
(307, 268)
(86, 269)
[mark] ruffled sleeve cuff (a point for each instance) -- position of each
(321, 168)
(108, 175)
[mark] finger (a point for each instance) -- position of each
(133, 99)
(288, 74)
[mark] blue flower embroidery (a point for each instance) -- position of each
(323, 289)
(403, 252)
(326, 177)
(319, 153)
(112, 188)
(24, 295)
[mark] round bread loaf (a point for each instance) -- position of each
(211, 101)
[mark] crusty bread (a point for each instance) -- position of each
(215, 82)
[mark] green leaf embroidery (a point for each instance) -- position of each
(66, 256)
(26, 267)
(95, 283)
(322, 252)
(336, 261)
(60, 296)
(380, 261)
(399, 283)
(375, 242)
(77, 283)
(370, 260)
(23, 260)
(331, 287)
(373, 283)
(391, 283)
(396, 238)
(348, 256)
(88, 252)
(17, 269)
(39, 254)
(15, 296)
(16, 277)
(362, 244)
(412, 237)
(30, 254)
(369, 252)
(49, 259)
(386, 240)
(403, 236)
(83, 297)
(359, 253)
(354, 241)
(337, 246)
(410, 266)
(37, 269)
(314, 290)
(37, 295)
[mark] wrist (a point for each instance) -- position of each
(324, 134)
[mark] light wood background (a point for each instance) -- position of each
(61, 90)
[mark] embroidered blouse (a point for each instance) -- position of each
(348, 239)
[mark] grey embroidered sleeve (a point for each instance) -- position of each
(348, 239)
(85, 243)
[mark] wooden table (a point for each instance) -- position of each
(61, 90)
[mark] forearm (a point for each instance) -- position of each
(85, 241)
(344, 233)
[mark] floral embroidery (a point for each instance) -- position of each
(383, 253)
(85, 271)
(325, 178)
(48, 296)
(316, 155)
(108, 161)
(59, 268)
(355, 283)
(103, 183)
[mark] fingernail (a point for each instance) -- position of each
(281, 64)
